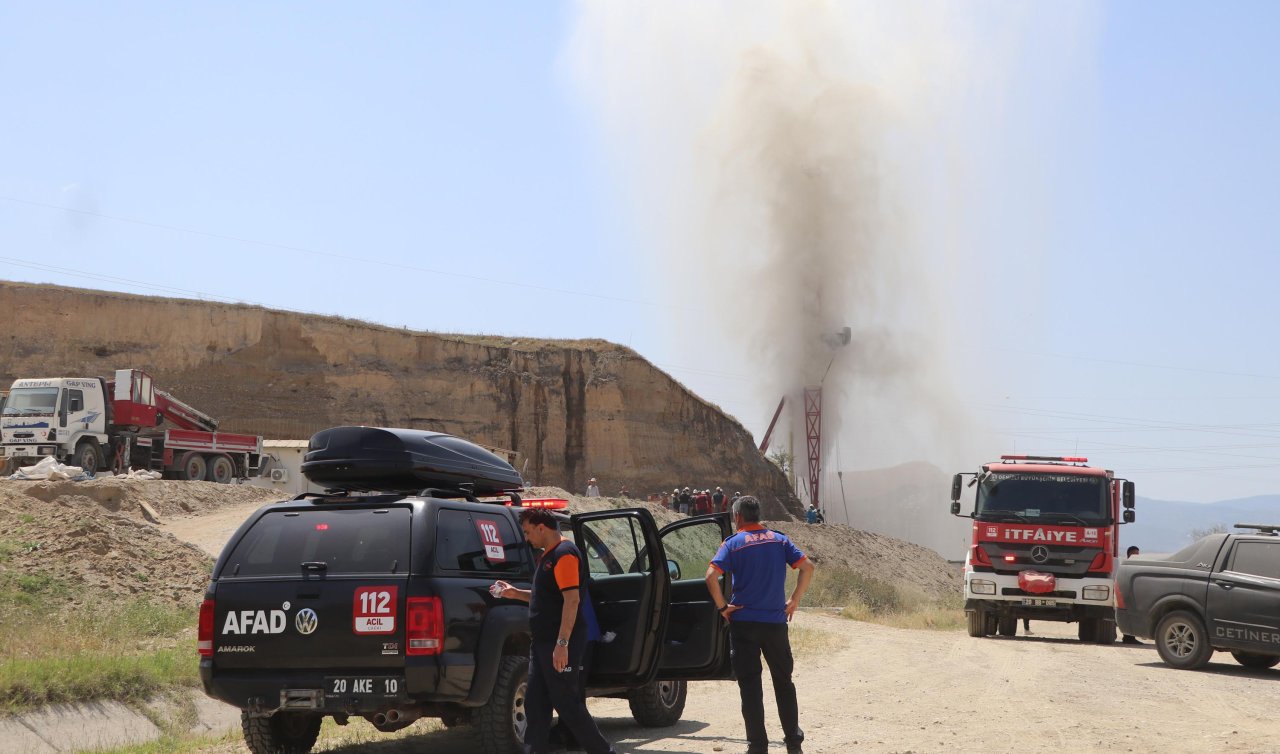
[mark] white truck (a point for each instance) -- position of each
(117, 424)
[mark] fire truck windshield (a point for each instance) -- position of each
(1062, 498)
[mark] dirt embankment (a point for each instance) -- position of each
(571, 410)
(95, 537)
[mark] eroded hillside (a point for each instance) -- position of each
(571, 409)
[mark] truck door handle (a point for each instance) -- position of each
(1225, 585)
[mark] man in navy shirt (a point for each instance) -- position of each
(559, 635)
(757, 559)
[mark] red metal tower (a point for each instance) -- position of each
(813, 435)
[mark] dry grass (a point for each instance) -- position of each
(59, 646)
(870, 600)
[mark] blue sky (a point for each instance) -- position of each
(435, 166)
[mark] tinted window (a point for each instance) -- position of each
(370, 540)
(1257, 559)
(476, 542)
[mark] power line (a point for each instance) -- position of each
(1139, 364)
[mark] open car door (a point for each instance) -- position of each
(630, 590)
(695, 645)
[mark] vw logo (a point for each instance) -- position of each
(305, 621)
(1039, 553)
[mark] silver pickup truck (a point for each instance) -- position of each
(1221, 593)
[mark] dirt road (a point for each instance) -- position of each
(877, 689)
(895, 690)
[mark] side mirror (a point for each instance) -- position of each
(1128, 515)
(955, 507)
(1126, 494)
(673, 569)
(957, 484)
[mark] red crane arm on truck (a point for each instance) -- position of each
(139, 403)
(184, 415)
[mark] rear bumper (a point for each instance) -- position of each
(1073, 599)
(266, 692)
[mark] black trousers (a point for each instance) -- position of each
(747, 641)
(562, 692)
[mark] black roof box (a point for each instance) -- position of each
(386, 459)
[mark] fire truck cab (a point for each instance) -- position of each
(1044, 545)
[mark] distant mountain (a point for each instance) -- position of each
(1166, 525)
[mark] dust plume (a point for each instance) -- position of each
(803, 167)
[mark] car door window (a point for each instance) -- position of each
(1257, 559)
(689, 550)
(614, 545)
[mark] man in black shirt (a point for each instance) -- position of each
(559, 637)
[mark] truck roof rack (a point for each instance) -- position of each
(412, 461)
(1268, 529)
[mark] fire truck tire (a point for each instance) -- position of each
(1255, 661)
(993, 623)
(193, 467)
(88, 456)
(1182, 640)
(1008, 626)
(221, 469)
(1104, 631)
(1087, 629)
(977, 623)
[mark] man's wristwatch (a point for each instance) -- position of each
(722, 608)
(562, 642)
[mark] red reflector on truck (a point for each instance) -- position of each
(204, 634)
(1101, 563)
(979, 556)
(425, 626)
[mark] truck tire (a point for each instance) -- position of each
(977, 623)
(282, 733)
(88, 456)
(658, 704)
(1008, 626)
(192, 467)
(1256, 661)
(1182, 641)
(499, 724)
(1087, 629)
(221, 469)
(1104, 631)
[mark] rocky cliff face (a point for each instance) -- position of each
(571, 409)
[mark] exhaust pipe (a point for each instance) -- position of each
(393, 719)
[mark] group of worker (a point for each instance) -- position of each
(692, 502)
(562, 625)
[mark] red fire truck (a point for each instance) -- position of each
(118, 424)
(1045, 540)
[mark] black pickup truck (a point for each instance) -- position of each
(1220, 593)
(373, 601)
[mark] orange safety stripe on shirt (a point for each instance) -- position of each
(567, 576)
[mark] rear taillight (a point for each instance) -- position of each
(204, 638)
(425, 627)
(1101, 563)
(979, 556)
